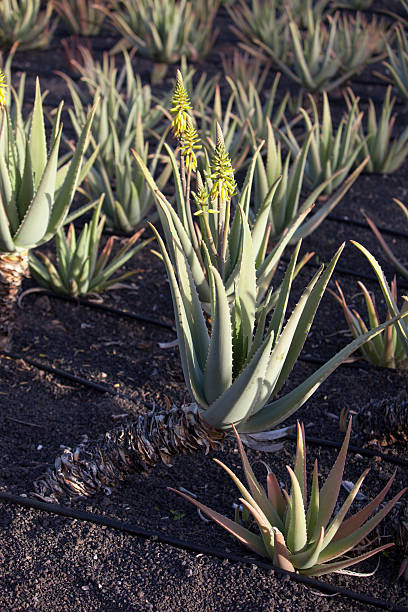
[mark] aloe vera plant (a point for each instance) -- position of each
(81, 16)
(164, 30)
(261, 23)
(390, 348)
(402, 269)
(296, 535)
(279, 184)
(81, 270)
(360, 42)
(35, 194)
(385, 154)
(386, 349)
(326, 56)
(25, 22)
(121, 122)
(249, 107)
(397, 63)
(333, 150)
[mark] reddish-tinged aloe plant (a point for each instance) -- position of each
(297, 536)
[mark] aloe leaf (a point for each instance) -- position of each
(277, 411)
(401, 327)
(192, 373)
(275, 494)
(237, 402)
(308, 558)
(242, 534)
(35, 222)
(66, 192)
(300, 461)
(36, 143)
(281, 555)
(257, 491)
(26, 192)
(354, 522)
(327, 568)
(296, 535)
(218, 367)
(6, 240)
(338, 519)
(247, 282)
(313, 510)
(263, 525)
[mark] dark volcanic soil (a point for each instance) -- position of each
(51, 563)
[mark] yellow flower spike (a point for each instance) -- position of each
(181, 106)
(190, 141)
(222, 174)
(3, 86)
(201, 198)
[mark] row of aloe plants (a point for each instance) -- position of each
(314, 43)
(234, 368)
(219, 267)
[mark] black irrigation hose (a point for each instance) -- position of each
(349, 272)
(72, 377)
(110, 310)
(106, 389)
(158, 536)
(383, 230)
(366, 452)
(321, 361)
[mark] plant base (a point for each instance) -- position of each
(135, 446)
(13, 268)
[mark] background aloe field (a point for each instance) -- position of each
(48, 562)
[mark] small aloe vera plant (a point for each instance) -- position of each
(399, 265)
(390, 348)
(25, 22)
(385, 154)
(279, 184)
(397, 64)
(297, 535)
(81, 269)
(35, 194)
(333, 150)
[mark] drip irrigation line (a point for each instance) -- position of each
(321, 361)
(110, 309)
(383, 230)
(366, 452)
(106, 389)
(348, 272)
(72, 377)
(157, 536)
